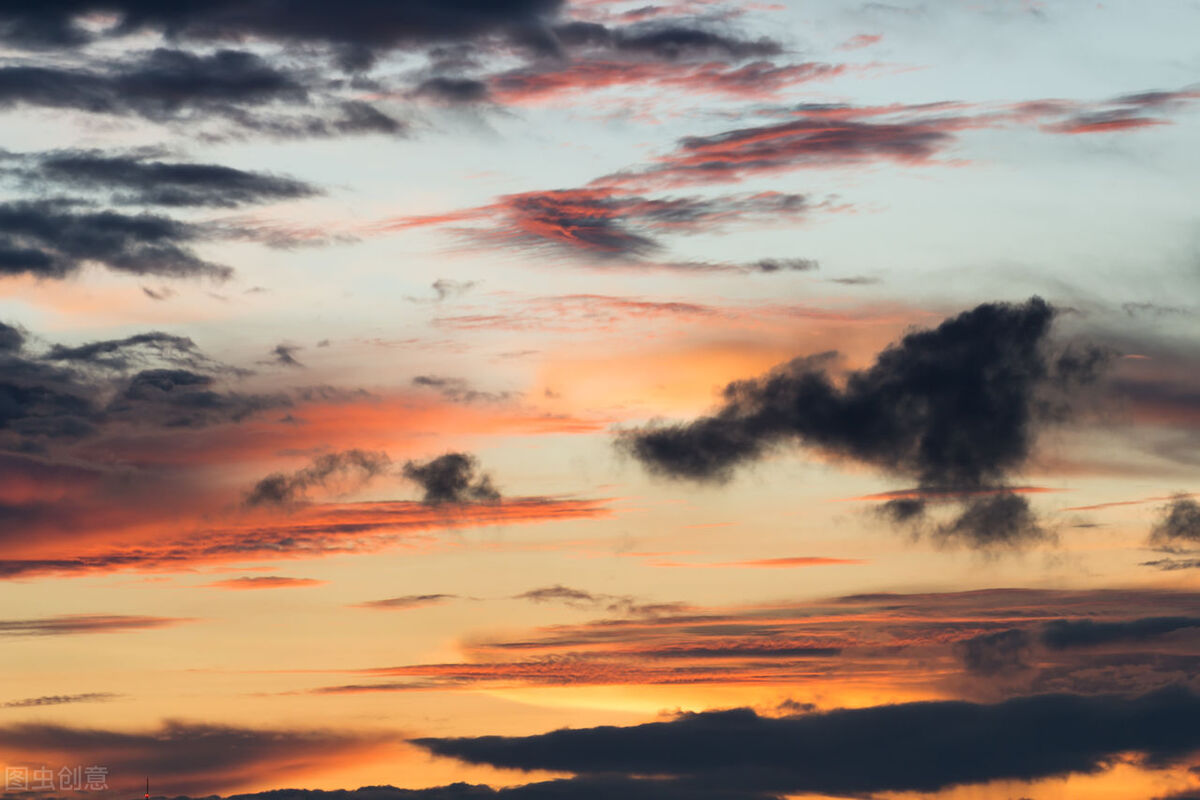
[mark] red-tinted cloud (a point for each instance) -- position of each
(758, 80)
(883, 640)
(309, 532)
(265, 582)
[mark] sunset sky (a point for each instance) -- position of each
(537, 399)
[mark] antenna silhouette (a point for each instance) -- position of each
(147, 788)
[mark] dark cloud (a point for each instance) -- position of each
(70, 392)
(11, 338)
(160, 85)
(199, 758)
(1180, 523)
(999, 653)
(356, 27)
(587, 788)
(348, 467)
(1062, 634)
(176, 398)
(452, 478)
(957, 408)
(446, 288)
(624, 605)
(83, 623)
(284, 355)
(133, 350)
(52, 239)
(921, 747)
(785, 265)
(452, 90)
(137, 179)
(1172, 564)
(61, 699)
(457, 390)
(668, 41)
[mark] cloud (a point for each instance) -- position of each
(68, 624)
(768, 563)
(457, 390)
(625, 605)
(589, 788)
(53, 239)
(159, 85)
(929, 745)
(357, 27)
(309, 531)
(199, 758)
(819, 136)
(135, 350)
(667, 40)
(1180, 523)
(451, 478)
(446, 288)
(546, 82)
(918, 640)
(265, 582)
(352, 468)
(407, 601)
(61, 699)
(604, 223)
(11, 338)
(284, 355)
(136, 179)
(453, 91)
(957, 407)
(1062, 634)
(1172, 564)
(69, 393)
(999, 653)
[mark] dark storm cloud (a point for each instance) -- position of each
(1180, 523)
(956, 408)
(998, 653)
(68, 393)
(160, 85)
(11, 339)
(50, 239)
(923, 747)
(353, 466)
(140, 348)
(139, 180)
(668, 41)
(357, 28)
(176, 398)
(452, 478)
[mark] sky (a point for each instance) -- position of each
(537, 399)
